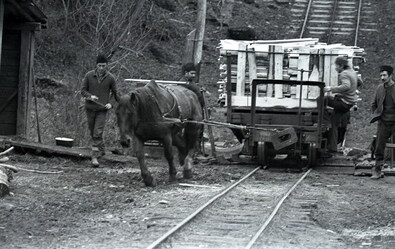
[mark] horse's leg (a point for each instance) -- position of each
(191, 136)
(167, 145)
(179, 142)
(149, 180)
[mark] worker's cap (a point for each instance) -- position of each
(341, 61)
(101, 58)
(387, 68)
(190, 66)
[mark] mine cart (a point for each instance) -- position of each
(292, 126)
(276, 88)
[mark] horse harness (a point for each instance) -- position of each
(175, 103)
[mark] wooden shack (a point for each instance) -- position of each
(19, 20)
(292, 59)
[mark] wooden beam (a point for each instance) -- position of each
(25, 83)
(278, 70)
(200, 29)
(251, 68)
(1, 26)
(241, 70)
(303, 64)
(33, 26)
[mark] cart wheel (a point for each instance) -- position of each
(262, 153)
(312, 156)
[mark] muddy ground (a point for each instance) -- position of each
(109, 207)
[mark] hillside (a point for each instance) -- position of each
(153, 47)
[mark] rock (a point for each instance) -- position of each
(7, 206)
(355, 152)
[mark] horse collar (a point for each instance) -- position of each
(175, 103)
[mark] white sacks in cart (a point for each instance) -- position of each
(304, 59)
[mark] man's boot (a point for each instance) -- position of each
(95, 155)
(376, 170)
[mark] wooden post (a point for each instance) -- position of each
(189, 53)
(1, 26)
(25, 83)
(327, 66)
(252, 74)
(241, 69)
(314, 92)
(270, 76)
(303, 63)
(278, 70)
(334, 75)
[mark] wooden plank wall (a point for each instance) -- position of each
(9, 79)
(1, 25)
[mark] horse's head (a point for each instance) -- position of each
(127, 117)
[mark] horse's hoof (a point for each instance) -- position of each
(150, 182)
(187, 174)
(173, 178)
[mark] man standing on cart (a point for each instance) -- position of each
(383, 108)
(345, 97)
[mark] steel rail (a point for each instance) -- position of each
(275, 211)
(306, 18)
(358, 22)
(332, 21)
(156, 243)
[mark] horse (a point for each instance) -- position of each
(155, 112)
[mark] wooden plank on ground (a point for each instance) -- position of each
(241, 69)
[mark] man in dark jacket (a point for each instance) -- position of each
(383, 109)
(345, 98)
(97, 87)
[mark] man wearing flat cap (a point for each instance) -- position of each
(383, 109)
(345, 98)
(97, 87)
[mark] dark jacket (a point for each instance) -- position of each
(377, 105)
(103, 90)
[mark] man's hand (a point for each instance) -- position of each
(94, 97)
(108, 106)
(327, 89)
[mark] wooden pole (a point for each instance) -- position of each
(209, 129)
(199, 36)
(36, 110)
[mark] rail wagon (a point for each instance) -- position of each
(276, 88)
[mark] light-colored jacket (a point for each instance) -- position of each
(347, 86)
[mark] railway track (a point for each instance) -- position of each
(333, 21)
(239, 215)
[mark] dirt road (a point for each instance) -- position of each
(110, 207)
